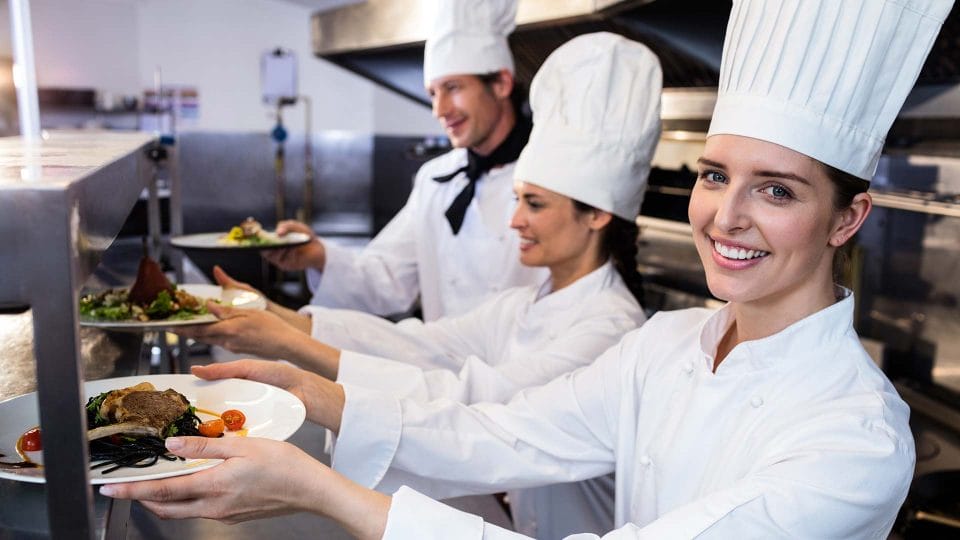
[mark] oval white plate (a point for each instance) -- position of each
(272, 413)
(211, 241)
(231, 297)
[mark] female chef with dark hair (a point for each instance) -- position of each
(763, 419)
(574, 216)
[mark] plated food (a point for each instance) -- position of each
(128, 425)
(151, 298)
(153, 301)
(249, 234)
(129, 418)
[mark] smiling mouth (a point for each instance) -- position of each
(738, 254)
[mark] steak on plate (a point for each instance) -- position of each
(139, 410)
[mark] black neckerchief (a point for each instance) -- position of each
(477, 166)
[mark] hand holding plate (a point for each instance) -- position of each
(224, 280)
(259, 478)
(301, 322)
(309, 255)
(243, 331)
(323, 399)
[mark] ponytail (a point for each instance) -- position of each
(619, 244)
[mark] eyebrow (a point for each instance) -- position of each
(783, 175)
(762, 173)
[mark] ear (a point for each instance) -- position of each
(504, 85)
(599, 219)
(851, 219)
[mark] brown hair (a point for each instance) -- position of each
(619, 244)
(518, 96)
(846, 187)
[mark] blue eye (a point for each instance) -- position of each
(778, 192)
(713, 176)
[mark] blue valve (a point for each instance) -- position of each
(279, 133)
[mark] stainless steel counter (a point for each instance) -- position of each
(62, 201)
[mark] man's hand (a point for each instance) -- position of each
(310, 255)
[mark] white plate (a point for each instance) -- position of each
(272, 413)
(230, 297)
(211, 241)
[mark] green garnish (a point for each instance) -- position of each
(93, 411)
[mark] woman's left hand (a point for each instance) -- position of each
(300, 322)
(259, 478)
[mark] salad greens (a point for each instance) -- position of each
(115, 305)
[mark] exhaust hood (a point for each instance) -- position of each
(382, 40)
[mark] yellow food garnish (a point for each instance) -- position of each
(235, 233)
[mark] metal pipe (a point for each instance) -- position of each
(279, 168)
(24, 74)
(308, 174)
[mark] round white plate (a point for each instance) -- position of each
(230, 297)
(211, 241)
(272, 413)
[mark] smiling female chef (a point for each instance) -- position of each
(763, 419)
(596, 105)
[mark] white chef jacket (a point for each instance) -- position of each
(417, 252)
(520, 338)
(796, 435)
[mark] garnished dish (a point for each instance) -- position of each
(153, 301)
(249, 234)
(151, 298)
(128, 419)
(128, 425)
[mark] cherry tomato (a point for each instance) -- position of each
(31, 440)
(233, 419)
(212, 428)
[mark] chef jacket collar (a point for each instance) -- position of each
(819, 329)
(477, 166)
(544, 304)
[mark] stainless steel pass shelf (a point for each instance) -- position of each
(925, 203)
(62, 200)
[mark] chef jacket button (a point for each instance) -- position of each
(688, 368)
(756, 401)
(645, 461)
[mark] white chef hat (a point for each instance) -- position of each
(469, 37)
(825, 78)
(596, 122)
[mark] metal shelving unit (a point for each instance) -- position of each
(62, 201)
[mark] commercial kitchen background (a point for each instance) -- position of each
(367, 139)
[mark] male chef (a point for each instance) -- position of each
(450, 244)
